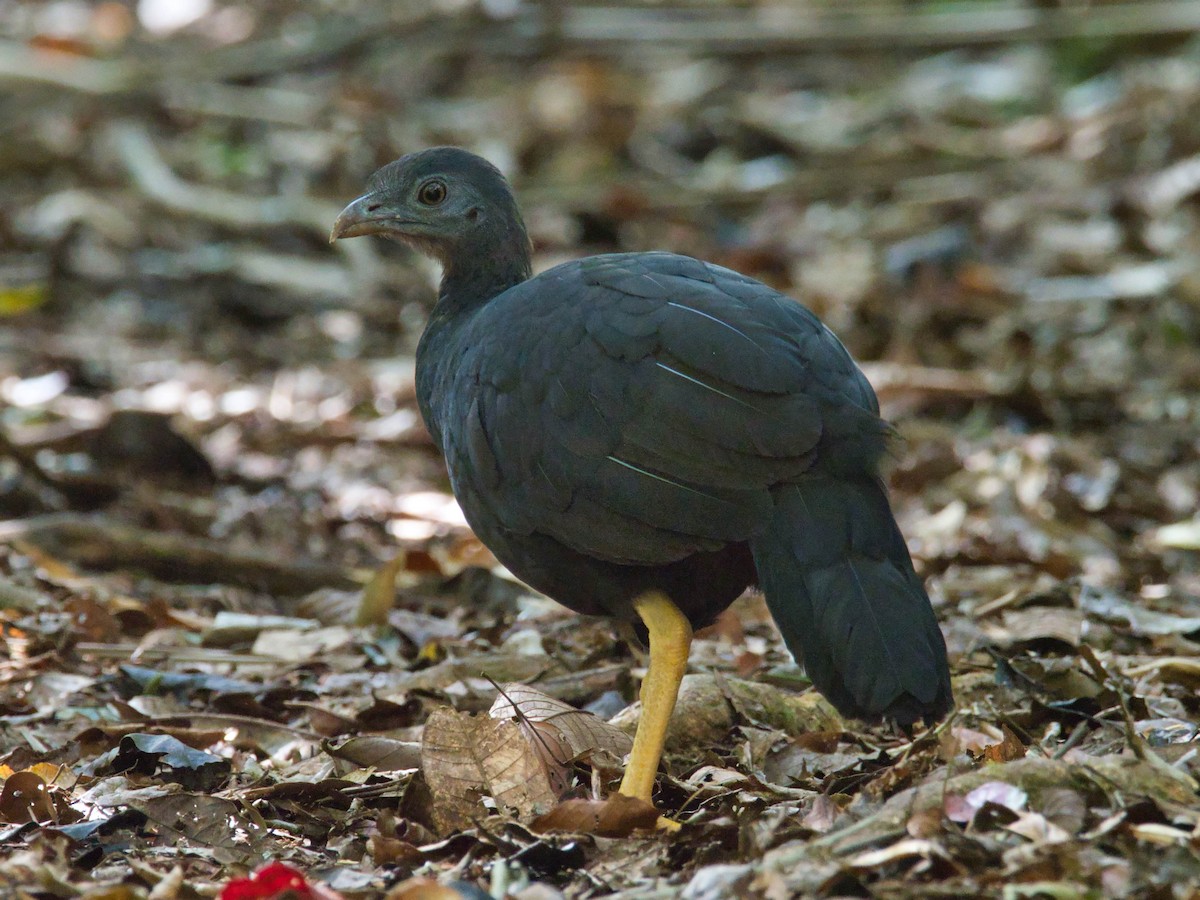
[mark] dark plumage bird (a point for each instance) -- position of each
(647, 435)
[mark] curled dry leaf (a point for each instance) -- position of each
(1009, 748)
(588, 738)
(379, 594)
(618, 816)
(991, 743)
(925, 823)
(823, 815)
(962, 809)
(25, 798)
(465, 758)
(378, 752)
(1037, 828)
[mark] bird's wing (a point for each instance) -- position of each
(647, 404)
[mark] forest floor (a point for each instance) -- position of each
(242, 619)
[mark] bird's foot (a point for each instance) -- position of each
(670, 826)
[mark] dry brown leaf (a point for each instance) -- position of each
(379, 594)
(25, 799)
(465, 758)
(823, 815)
(1009, 748)
(962, 809)
(959, 738)
(229, 831)
(1037, 828)
(382, 753)
(618, 816)
(1038, 623)
(388, 851)
(1178, 535)
(588, 737)
(925, 823)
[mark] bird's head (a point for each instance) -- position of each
(446, 202)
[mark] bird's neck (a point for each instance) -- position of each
(470, 280)
(487, 269)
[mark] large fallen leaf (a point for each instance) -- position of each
(618, 816)
(587, 737)
(230, 832)
(466, 759)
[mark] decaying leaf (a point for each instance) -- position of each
(471, 762)
(162, 753)
(378, 752)
(823, 814)
(964, 808)
(24, 798)
(296, 645)
(1037, 828)
(618, 816)
(232, 832)
(586, 737)
(1037, 625)
(974, 741)
(379, 594)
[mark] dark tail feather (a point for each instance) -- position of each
(841, 587)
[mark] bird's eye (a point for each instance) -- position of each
(432, 193)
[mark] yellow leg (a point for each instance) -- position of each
(670, 641)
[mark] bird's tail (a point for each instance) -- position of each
(841, 587)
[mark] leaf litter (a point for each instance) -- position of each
(247, 644)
